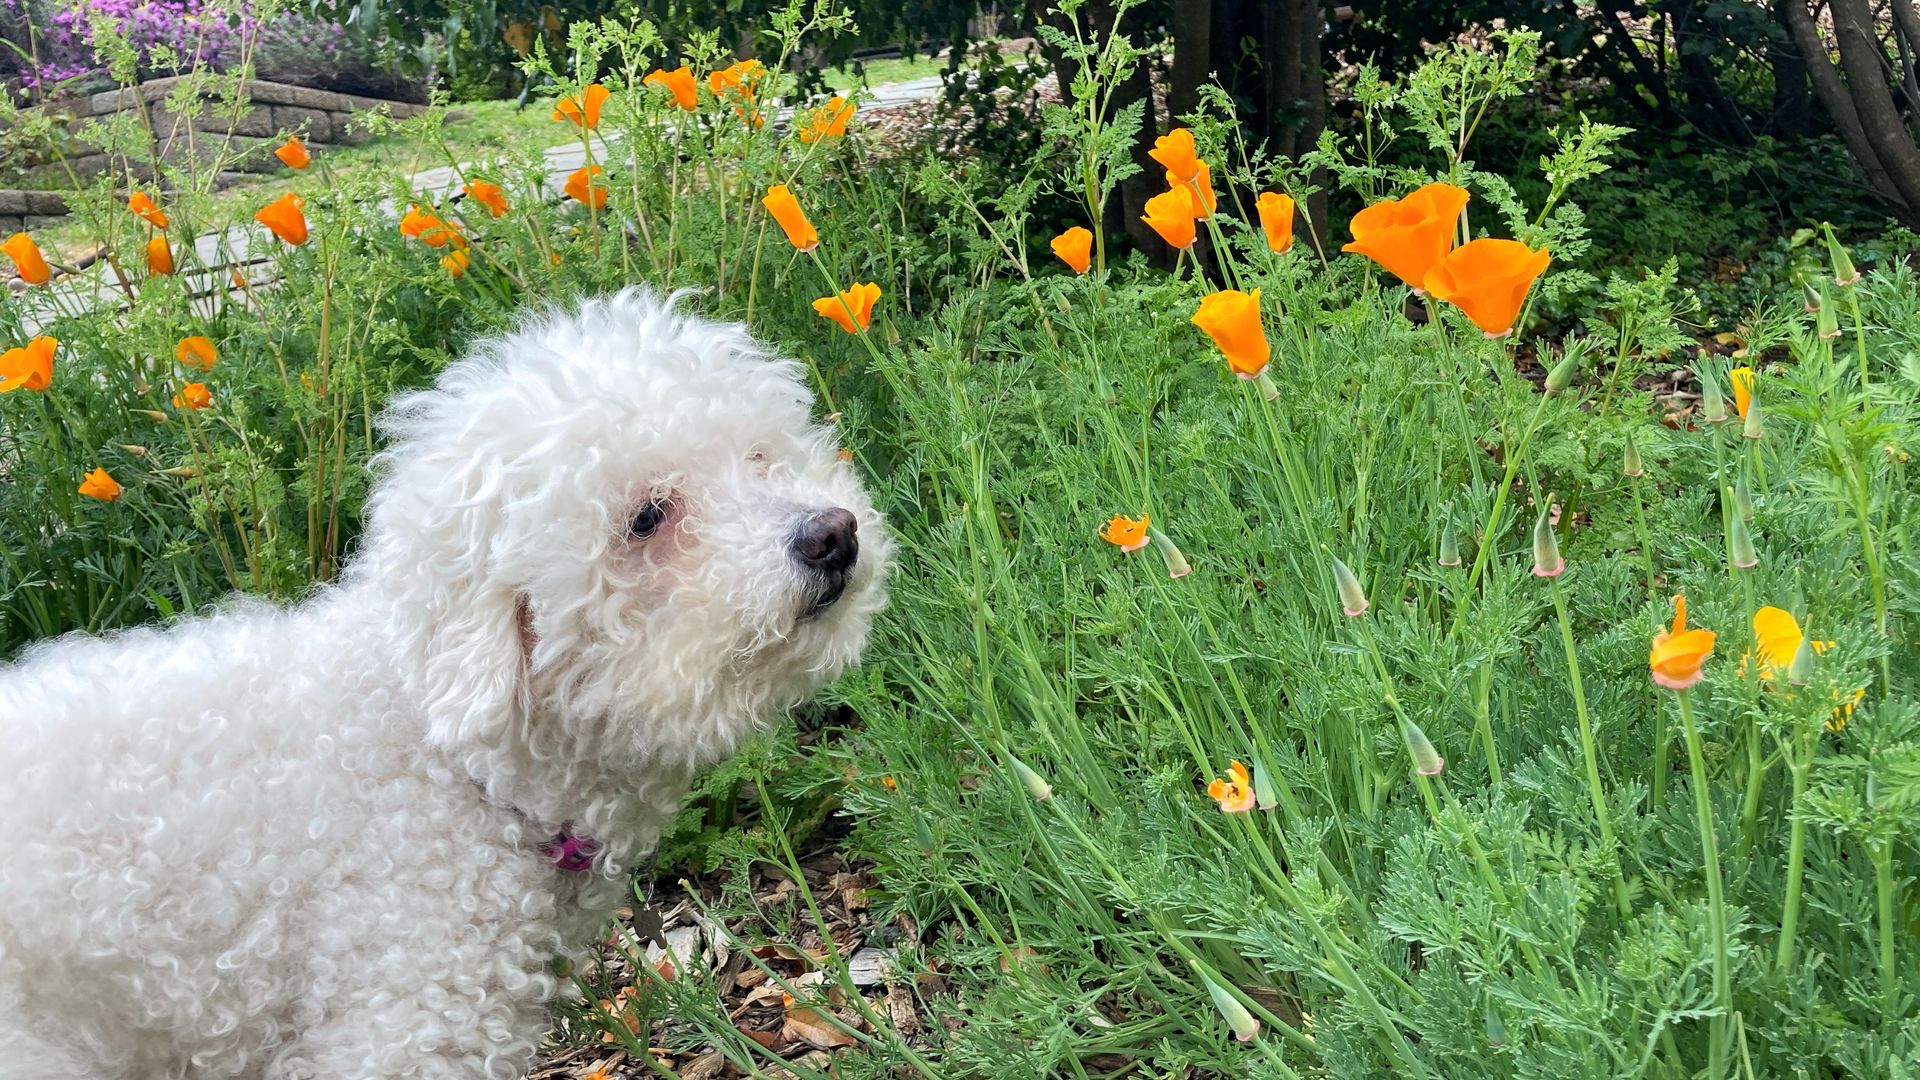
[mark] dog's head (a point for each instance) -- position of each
(617, 531)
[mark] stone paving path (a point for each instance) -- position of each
(249, 249)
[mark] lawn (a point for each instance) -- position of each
(1275, 684)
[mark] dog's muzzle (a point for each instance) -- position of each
(826, 545)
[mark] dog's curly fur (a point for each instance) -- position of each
(304, 843)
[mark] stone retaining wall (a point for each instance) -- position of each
(320, 117)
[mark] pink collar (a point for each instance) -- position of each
(570, 852)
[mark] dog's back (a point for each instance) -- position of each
(149, 778)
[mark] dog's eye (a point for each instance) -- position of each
(649, 519)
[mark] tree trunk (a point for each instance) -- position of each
(1865, 64)
(1192, 54)
(1835, 99)
(1792, 113)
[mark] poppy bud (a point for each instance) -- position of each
(185, 472)
(1800, 672)
(1449, 546)
(1495, 1026)
(1038, 788)
(1562, 373)
(1843, 272)
(136, 451)
(1810, 297)
(923, 833)
(1426, 760)
(1244, 1026)
(1547, 562)
(1353, 600)
(1263, 791)
(1827, 322)
(1743, 499)
(151, 414)
(1713, 407)
(1740, 545)
(1753, 428)
(1633, 466)
(1176, 561)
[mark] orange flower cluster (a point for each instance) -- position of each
(159, 256)
(1412, 238)
(430, 229)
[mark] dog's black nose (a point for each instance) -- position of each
(827, 541)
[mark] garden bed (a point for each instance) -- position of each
(320, 117)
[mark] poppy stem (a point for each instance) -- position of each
(1796, 856)
(1716, 904)
(1595, 791)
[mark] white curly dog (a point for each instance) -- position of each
(345, 840)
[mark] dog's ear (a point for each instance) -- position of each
(434, 528)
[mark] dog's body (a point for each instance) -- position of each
(317, 842)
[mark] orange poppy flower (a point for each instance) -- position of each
(828, 120)
(1232, 319)
(786, 210)
(27, 259)
(1276, 218)
(143, 205)
(1176, 153)
(286, 218)
(1171, 215)
(860, 299)
(487, 195)
(454, 262)
(196, 352)
(739, 84)
(1410, 234)
(571, 108)
(293, 153)
(1679, 653)
(1235, 793)
(430, 229)
(1075, 248)
(679, 82)
(1125, 533)
(1488, 281)
(1199, 191)
(30, 366)
(159, 256)
(193, 396)
(581, 187)
(98, 485)
(1742, 380)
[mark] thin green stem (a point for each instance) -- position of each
(1716, 904)
(1595, 792)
